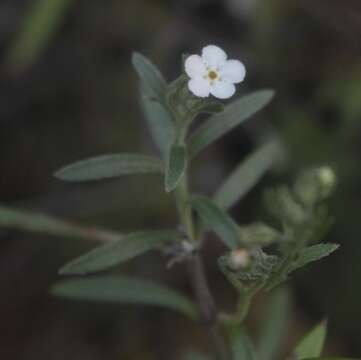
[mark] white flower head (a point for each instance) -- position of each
(213, 74)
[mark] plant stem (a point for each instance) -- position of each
(197, 276)
(207, 307)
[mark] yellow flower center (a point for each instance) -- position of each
(212, 75)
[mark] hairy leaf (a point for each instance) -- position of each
(109, 166)
(217, 220)
(44, 224)
(246, 175)
(116, 252)
(233, 115)
(126, 290)
(274, 326)
(312, 344)
(150, 76)
(176, 166)
(160, 124)
(313, 253)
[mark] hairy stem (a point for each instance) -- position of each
(197, 276)
(207, 306)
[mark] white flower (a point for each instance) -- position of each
(213, 74)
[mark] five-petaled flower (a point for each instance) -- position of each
(213, 74)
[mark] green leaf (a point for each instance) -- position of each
(176, 166)
(41, 23)
(233, 115)
(313, 253)
(109, 166)
(160, 124)
(126, 290)
(116, 252)
(274, 326)
(150, 76)
(44, 224)
(312, 344)
(246, 175)
(242, 347)
(217, 220)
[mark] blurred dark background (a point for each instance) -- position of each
(68, 91)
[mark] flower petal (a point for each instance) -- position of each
(213, 56)
(233, 71)
(194, 66)
(199, 87)
(223, 89)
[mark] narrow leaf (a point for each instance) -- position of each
(274, 326)
(312, 344)
(233, 115)
(44, 224)
(160, 124)
(41, 23)
(313, 253)
(217, 220)
(109, 166)
(176, 166)
(126, 290)
(150, 76)
(242, 347)
(116, 252)
(246, 175)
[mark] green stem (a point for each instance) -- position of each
(184, 207)
(242, 310)
(197, 276)
(206, 304)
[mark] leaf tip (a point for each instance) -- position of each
(64, 271)
(59, 174)
(135, 56)
(169, 187)
(269, 94)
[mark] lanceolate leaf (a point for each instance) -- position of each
(44, 224)
(217, 220)
(160, 124)
(150, 76)
(126, 290)
(312, 344)
(233, 115)
(116, 252)
(313, 253)
(176, 166)
(246, 175)
(109, 166)
(274, 326)
(242, 346)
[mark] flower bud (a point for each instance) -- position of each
(315, 185)
(239, 259)
(258, 234)
(327, 178)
